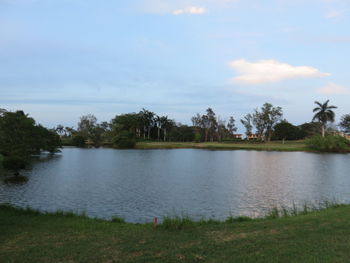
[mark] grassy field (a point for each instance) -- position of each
(322, 236)
(270, 146)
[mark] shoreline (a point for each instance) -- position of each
(297, 146)
(277, 146)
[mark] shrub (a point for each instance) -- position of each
(14, 163)
(78, 140)
(197, 137)
(328, 143)
(124, 140)
(238, 219)
(177, 223)
(118, 220)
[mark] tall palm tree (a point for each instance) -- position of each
(324, 114)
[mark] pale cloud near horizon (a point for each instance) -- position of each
(333, 89)
(193, 10)
(183, 6)
(270, 71)
(333, 13)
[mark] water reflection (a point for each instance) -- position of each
(140, 184)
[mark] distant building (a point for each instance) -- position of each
(254, 136)
(345, 135)
(237, 136)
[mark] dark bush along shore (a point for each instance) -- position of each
(311, 236)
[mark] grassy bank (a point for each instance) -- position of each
(268, 146)
(321, 236)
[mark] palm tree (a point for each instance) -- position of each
(166, 124)
(324, 114)
(148, 122)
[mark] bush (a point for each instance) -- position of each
(177, 223)
(197, 137)
(328, 143)
(124, 140)
(78, 140)
(14, 163)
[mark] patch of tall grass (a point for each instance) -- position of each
(297, 210)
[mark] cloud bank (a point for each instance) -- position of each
(269, 71)
(333, 89)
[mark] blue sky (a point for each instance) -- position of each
(60, 59)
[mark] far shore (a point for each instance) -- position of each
(287, 146)
(263, 146)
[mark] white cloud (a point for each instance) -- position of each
(193, 10)
(333, 13)
(269, 71)
(183, 6)
(333, 89)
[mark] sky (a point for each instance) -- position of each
(61, 59)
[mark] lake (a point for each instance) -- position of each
(138, 185)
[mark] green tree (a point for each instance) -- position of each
(20, 137)
(91, 130)
(323, 114)
(212, 123)
(166, 124)
(265, 119)
(124, 140)
(345, 123)
(286, 131)
(309, 129)
(247, 123)
(60, 130)
(148, 122)
(231, 127)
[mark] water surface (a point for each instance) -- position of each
(140, 184)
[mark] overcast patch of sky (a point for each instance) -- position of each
(98, 52)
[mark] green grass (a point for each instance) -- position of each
(268, 146)
(316, 236)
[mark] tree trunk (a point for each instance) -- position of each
(206, 135)
(164, 134)
(158, 133)
(149, 130)
(323, 130)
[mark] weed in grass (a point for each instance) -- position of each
(118, 220)
(177, 223)
(238, 219)
(273, 213)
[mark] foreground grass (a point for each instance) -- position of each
(321, 236)
(268, 146)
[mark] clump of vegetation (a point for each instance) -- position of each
(20, 137)
(124, 140)
(297, 210)
(177, 223)
(328, 143)
(118, 220)
(238, 219)
(197, 137)
(14, 163)
(78, 141)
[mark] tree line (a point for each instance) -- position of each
(265, 123)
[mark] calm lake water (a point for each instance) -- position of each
(140, 184)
